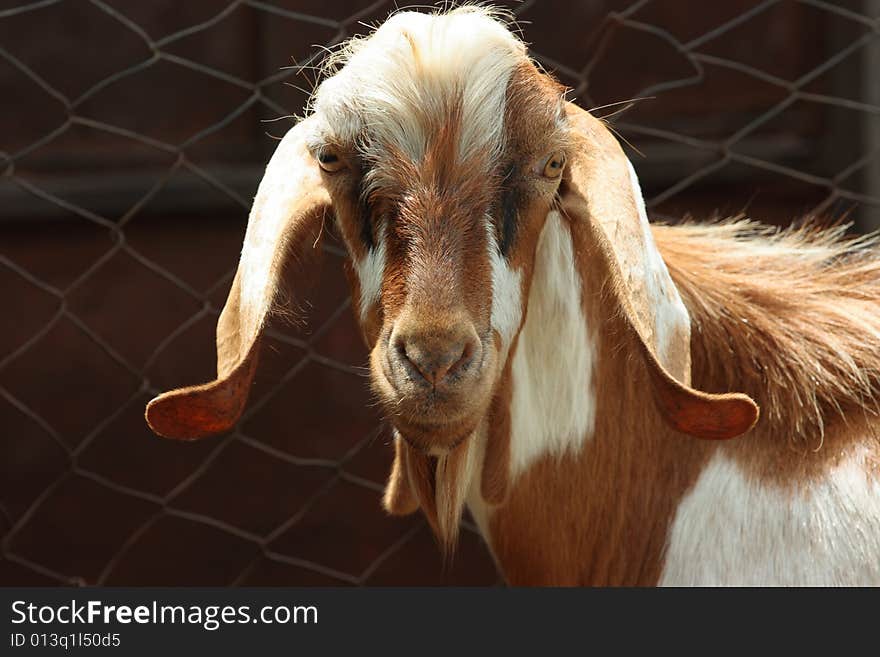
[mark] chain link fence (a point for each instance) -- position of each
(133, 139)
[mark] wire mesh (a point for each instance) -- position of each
(58, 493)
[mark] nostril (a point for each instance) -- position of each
(464, 357)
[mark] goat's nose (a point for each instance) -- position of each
(436, 357)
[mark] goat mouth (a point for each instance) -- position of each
(430, 412)
(420, 398)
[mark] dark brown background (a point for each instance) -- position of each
(133, 136)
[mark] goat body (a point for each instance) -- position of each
(792, 320)
(547, 357)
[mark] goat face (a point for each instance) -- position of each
(442, 148)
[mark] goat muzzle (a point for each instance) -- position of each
(436, 360)
(434, 380)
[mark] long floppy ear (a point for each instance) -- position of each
(601, 192)
(285, 220)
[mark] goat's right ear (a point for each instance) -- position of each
(285, 221)
(600, 195)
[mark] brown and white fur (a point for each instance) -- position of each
(547, 357)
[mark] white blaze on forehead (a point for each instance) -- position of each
(734, 529)
(553, 409)
(411, 69)
(671, 318)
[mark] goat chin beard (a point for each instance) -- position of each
(440, 483)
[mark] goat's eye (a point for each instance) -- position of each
(554, 165)
(330, 161)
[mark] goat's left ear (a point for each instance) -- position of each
(285, 223)
(601, 195)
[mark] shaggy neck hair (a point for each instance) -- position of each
(792, 318)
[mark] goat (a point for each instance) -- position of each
(545, 356)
